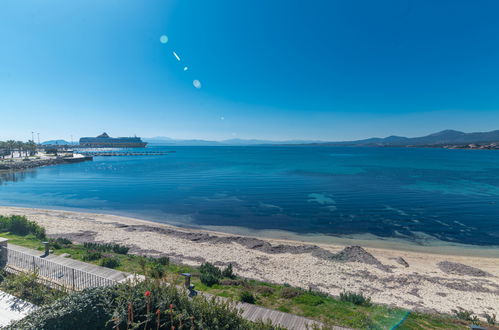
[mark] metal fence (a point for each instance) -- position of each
(68, 277)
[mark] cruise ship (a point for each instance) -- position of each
(105, 141)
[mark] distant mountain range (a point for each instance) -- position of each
(443, 138)
(231, 142)
(447, 137)
(57, 142)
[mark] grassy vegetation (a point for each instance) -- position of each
(26, 287)
(352, 309)
(419, 321)
(147, 305)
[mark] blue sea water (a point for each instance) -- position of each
(448, 195)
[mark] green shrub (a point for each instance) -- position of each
(110, 262)
(111, 307)
(26, 286)
(355, 298)
(165, 261)
(54, 245)
(157, 271)
(229, 272)
(106, 247)
(20, 225)
(210, 274)
(63, 241)
(247, 297)
(288, 292)
(59, 243)
(83, 310)
(91, 255)
(209, 279)
(210, 269)
(463, 314)
(491, 318)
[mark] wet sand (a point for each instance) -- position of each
(423, 279)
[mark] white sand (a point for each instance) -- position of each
(422, 285)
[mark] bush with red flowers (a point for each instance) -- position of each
(146, 305)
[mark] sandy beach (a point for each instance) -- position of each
(416, 280)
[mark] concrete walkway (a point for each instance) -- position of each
(13, 308)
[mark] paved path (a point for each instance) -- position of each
(13, 308)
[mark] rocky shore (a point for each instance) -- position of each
(14, 165)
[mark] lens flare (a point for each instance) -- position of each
(196, 83)
(163, 39)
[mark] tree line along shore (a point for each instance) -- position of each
(19, 155)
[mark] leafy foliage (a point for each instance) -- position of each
(59, 243)
(209, 279)
(20, 225)
(26, 287)
(83, 310)
(211, 274)
(229, 272)
(145, 305)
(491, 318)
(355, 298)
(91, 255)
(247, 297)
(106, 247)
(165, 261)
(466, 315)
(110, 262)
(157, 270)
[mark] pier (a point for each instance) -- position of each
(124, 153)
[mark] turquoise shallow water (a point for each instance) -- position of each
(450, 195)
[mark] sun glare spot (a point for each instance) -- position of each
(163, 39)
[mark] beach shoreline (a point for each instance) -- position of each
(430, 245)
(426, 281)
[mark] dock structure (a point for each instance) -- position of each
(124, 153)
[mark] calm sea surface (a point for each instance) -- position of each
(411, 194)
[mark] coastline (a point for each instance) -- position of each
(427, 281)
(19, 165)
(430, 246)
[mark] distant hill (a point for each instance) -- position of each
(60, 142)
(231, 142)
(443, 138)
(447, 137)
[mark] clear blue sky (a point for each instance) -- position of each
(330, 70)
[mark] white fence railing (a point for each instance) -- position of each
(68, 277)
